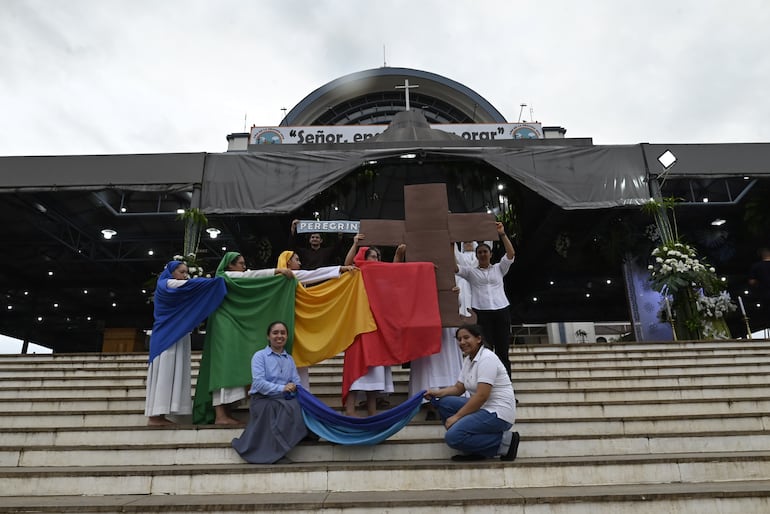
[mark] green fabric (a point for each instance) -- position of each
(236, 330)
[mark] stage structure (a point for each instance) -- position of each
(572, 206)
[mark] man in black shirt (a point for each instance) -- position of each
(316, 256)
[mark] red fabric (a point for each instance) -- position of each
(404, 301)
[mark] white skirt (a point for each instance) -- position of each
(378, 378)
(169, 388)
(438, 370)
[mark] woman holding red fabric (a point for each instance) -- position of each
(378, 379)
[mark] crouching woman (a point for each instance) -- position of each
(479, 425)
(275, 419)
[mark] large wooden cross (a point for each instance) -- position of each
(428, 231)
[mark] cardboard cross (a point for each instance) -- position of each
(428, 230)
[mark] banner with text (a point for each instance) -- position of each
(312, 226)
(334, 134)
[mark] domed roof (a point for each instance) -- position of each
(370, 97)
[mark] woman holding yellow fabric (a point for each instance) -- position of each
(329, 315)
(290, 260)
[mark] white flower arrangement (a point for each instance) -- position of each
(715, 306)
(676, 265)
(193, 267)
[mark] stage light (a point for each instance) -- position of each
(180, 211)
(40, 318)
(667, 159)
(213, 232)
(718, 222)
(55, 305)
(746, 291)
(588, 295)
(123, 209)
(107, 233)
(150, 252)
(50, 273)
(85, 291)
(534, 298)
(705, 199)
(609, 281)
(10, 307)
(500, 187)
(409, 156)
(551, 282)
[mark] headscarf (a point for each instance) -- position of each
(284, 258)
(178, 310)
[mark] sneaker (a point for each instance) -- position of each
(513, 449)
(467, 457)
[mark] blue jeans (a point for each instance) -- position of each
(479, 433)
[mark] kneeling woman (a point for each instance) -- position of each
(275, 418)
(478, 426)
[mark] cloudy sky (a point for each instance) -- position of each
(136, 76)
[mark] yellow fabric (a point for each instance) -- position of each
(283, 259)
(328, 317)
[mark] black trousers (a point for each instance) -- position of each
(496, 326)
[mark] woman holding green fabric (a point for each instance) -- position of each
(254, 298)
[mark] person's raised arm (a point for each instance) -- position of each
(350, 257)
(457, 258)
(509, 251)
(400, 255)
(292, 242)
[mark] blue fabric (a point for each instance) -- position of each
(179, 310)
(338, 428)
(478, 433)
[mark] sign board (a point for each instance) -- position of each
(313, 226)
(335, 134)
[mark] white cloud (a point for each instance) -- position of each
(128, 76)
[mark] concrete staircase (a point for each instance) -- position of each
(632, 428)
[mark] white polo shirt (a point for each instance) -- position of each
(486, 368)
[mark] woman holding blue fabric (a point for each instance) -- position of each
(181, 304)
(275, 418)
(478, 426)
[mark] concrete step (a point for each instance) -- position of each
(81, 387)
(525, 391)
(683, 425)
(386, 476)
(551, 410)
(406, 446)
(734, 497)
(634, 394)
(662, 370)
(641, 362)
(704, 379)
